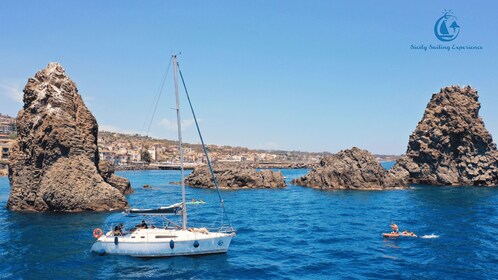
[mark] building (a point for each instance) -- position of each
(7, 125)
(5, 145)
(106, 155)
(153, 153)
(135, 156)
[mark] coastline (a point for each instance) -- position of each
(258, 165)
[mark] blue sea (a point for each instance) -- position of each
(292, 233)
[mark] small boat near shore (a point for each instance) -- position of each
(159, 234)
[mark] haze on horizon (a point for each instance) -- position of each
(309, 76)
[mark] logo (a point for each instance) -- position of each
(446, 28)
(220, 243)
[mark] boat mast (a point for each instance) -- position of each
(179, 123)
(205, 151)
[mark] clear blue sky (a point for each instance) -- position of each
(292, 75)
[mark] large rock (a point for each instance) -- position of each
(235, 177)
(450, 145)
(54, 163)
(350, 169)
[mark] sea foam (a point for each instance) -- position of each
(430, 236)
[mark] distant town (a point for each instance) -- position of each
(126, 151)
(123, 150)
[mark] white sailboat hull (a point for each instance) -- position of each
(163, 243)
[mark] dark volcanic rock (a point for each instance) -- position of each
(235, 177)
(54, 163)
(350, 169)
(106, 170)
(450, 145)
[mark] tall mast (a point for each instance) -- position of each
(179, 123)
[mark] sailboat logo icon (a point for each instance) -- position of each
(446, 28)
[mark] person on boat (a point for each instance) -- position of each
(118, 231)
(395, 228)
(143, 225)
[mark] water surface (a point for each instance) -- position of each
(292, 233)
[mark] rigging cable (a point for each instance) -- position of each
(156, 100)
(204, 148)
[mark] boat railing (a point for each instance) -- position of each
(223, 229)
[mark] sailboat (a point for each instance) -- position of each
(443, 30)
(158, 235)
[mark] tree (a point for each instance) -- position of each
(145, 155)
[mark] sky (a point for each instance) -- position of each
(289, 75)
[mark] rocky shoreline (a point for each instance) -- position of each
(132, 167)
(449, 146)
(261, 165)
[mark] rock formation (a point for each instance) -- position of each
(350, 169)
(106, 170)
(235, 177)
(450, 145)
(54, 163)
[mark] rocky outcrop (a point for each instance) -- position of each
(54, 163)
(450, 145)
(106, 170)
(235, 177)
(350, 169)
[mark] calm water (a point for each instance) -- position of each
(293, 233)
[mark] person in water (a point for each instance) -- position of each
(411, 233)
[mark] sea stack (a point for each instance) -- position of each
(235, 177)
(450, 145)
(354, 169)
(54, 163)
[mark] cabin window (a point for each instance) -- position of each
(166, 236)
(142, 236)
